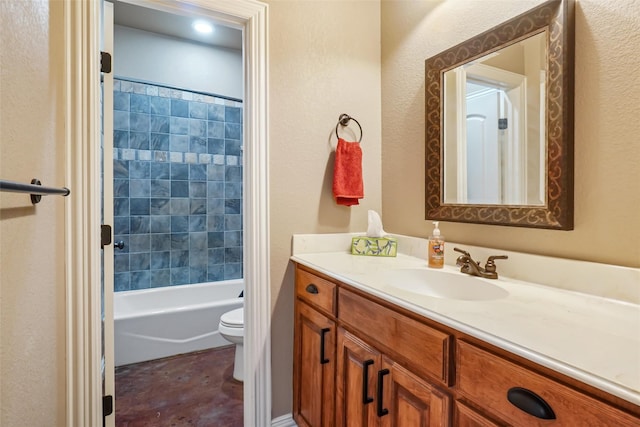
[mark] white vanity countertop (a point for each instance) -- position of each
(590, 338)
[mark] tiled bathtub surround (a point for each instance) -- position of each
(177, 186)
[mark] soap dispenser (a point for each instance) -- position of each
(436, 248)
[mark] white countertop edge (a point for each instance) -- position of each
(556, 365)
(602, 280)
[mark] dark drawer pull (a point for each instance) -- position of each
(312, 289)
(365, 382)
(382, 411)
(531, 403)
(323, 332)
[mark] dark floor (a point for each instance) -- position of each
(195, 389)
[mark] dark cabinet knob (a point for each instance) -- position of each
(531, 403)
(312, 289)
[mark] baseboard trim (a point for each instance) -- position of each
(284, 421)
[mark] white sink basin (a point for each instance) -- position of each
(442, 284)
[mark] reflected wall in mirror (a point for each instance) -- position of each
(499, 124)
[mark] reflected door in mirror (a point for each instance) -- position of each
(494, 127)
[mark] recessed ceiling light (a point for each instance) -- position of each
(203, 27)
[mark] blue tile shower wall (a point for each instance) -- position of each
(177, 186)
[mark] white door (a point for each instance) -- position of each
(108, 375)
(483, 149)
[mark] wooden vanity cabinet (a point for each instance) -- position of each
(418, 346)
(314, 351)
(385, 363)
(388, 365)
(520, 396)
(387, 368)
(464, 416)
(374, 391)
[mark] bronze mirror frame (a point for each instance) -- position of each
(557, 17)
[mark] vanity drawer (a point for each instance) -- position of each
(417, 346)
(487, 379)
(316, 291)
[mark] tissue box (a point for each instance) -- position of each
(374, 246)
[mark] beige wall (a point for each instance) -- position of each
(324, 60)
(607, 153)
(32, 288)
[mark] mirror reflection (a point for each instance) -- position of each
(494, 136)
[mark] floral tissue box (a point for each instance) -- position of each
(374, 246)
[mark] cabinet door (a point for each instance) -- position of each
(467, 417)
(356, 382)
(314, 368)
(409, 401)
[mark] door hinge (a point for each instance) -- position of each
(105, 62)
(503, 124)
(107, 405)
(105, 235)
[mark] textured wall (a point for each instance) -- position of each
(32, 286)
(324, 60)
(607, 155)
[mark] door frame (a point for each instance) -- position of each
(82, 217)
(108, 262)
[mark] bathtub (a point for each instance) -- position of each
(160, 322)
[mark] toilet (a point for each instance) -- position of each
(231, 328)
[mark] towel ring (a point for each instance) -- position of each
(344, 121)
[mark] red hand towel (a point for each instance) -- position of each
(347, 173)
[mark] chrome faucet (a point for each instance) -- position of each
(469, 266)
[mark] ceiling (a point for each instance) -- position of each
(179, 26)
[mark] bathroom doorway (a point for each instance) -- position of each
(177, 169)
(215, 157)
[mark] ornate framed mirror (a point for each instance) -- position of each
(499, 124)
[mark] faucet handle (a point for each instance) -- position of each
(490, 267)
(462, 259)
(462, 252)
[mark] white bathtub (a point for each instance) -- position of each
(160, 322)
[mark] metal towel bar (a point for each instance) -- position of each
(35, 189)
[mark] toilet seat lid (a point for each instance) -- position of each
(233, 318)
